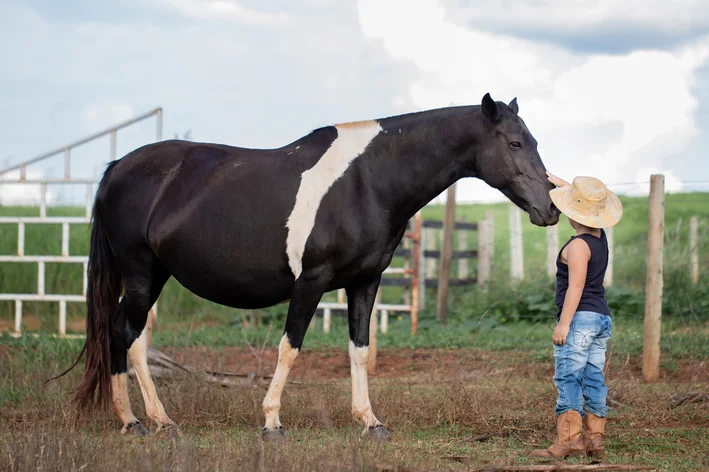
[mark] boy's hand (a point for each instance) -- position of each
(560, 333)
(559, 182)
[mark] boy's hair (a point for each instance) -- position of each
(583, 225)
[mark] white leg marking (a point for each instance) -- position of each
(351, 141)
(361, 407)
(138, 353)
(272, 401)
(121, 402)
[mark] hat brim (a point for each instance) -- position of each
(607, 217)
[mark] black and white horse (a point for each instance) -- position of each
(251, 228)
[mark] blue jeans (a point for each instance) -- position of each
(578, 365)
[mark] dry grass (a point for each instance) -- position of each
(442, 422)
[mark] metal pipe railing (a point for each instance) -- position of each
(22, 166)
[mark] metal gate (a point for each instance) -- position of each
(65, 257)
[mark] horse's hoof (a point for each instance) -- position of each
(277, 435)
(136, 429)
(168, 432)
(378, 433)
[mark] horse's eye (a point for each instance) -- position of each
(515, 144)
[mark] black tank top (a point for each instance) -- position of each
(593, 297)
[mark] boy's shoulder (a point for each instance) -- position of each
(578, 247)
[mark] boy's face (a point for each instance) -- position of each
(574, 224)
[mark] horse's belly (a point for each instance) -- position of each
(228, 274)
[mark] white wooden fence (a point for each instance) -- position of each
(18, 176)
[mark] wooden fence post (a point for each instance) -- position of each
(422, 267)
(484, 249)
(385, 321)
(693, 252)
(654, 282)
(407, 263)
(552, 249)
(372, 361)
(516, 254)
(326, 319)
(463, 246)
(430, 240)
(446, 255)
(608, 279)
(490, 219)
(417, 287)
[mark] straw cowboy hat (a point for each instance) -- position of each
(587, 201)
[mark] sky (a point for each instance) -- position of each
(614, 89)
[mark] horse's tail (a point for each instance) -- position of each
(102, 294)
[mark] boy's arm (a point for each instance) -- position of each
(558, 181)
(577, 256)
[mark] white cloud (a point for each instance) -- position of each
(224, 10)
(642, 182)
(571, 15)
(13, 193)
(599, 115)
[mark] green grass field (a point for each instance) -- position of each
(474, 393)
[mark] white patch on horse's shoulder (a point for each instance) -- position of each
(297, 147)
(351, 141)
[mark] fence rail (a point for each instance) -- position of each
(426, 268)
(112, 131)
(64, 221)
(411, 280)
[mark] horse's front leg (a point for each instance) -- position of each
(304, 302)
(360, 301)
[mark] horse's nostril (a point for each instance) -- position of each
(553, 209)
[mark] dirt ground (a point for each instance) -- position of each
(425, 365)
(446, 409)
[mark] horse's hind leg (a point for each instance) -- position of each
(121, 406)
(153, 406)
(143, 283)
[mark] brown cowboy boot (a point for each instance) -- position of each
(569, 441)
(595, 429)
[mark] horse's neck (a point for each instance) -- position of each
(423, 162)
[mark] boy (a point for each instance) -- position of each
(584, 319)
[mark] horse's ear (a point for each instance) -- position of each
(490, 109)
(514, 106)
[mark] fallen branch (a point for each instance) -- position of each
(616, 403)
(162, 366)
(560, 467)
(478, 438)
(691, 397)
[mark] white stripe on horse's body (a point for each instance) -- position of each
(352, 139)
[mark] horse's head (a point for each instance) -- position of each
(508, 160)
